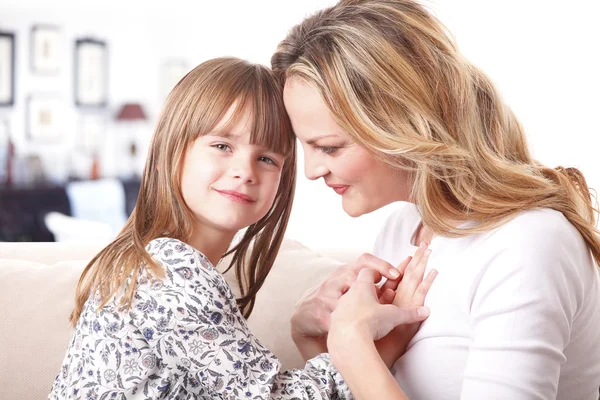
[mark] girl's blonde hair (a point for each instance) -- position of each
(193, 108)
(394, 80)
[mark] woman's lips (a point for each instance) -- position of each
(339, 189)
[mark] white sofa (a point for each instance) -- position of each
(37, 284)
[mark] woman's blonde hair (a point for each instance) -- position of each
(193, 108)
(394, 80)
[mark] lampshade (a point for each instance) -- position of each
(131, 112)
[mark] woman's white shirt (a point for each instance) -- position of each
(515, 312)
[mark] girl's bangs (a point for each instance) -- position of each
(261, 99)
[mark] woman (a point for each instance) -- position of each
(387, 109)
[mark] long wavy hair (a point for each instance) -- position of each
(394, 80)
(193, 108)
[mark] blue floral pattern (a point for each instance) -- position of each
(183, 338)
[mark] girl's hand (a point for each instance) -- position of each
(360, 314)
(312, 312)
(410, 292)
(310, 320)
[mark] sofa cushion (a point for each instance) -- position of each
(35, 332)
(296, 270)
(36, 300)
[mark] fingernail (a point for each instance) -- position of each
(423, 245)
(394, 273)
(423, 312)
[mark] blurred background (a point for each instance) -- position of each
(82, 84)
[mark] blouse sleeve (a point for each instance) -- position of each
(204, 341)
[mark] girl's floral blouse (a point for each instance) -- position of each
(183, 338)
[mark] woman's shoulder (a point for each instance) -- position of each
(540, 228)
(540, 240)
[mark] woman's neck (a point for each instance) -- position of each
(424, 234)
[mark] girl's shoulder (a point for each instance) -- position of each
(178, 256)
(169, 248)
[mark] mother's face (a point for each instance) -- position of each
(365, 183)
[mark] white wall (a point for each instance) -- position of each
(543, 55)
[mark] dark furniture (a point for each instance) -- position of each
(22, 209)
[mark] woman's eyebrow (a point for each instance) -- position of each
(313, 140)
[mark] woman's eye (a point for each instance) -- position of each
(267, 160)
(222, 147)
(328, 149)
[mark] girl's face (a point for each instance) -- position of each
(365, 183)
(228, 183)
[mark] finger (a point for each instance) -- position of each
(402, 266)
(405, 316)
(423, 288)
(387, 296)
(414, 272)
(367, 275)
(377, 264)
(336, 286)
(416, 258)
(364, 285)
(419, 269)
(391, 284)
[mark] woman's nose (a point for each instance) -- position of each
(314, 168)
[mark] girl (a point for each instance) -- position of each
(153, 318)
(387, 109)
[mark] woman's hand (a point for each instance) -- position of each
(410, 292)
(310, 320)
(360, 313)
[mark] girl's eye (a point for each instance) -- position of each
(267, 160)
(327, 149)
(222, 147)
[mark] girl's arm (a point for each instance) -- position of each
(365, 372)
(359, 319)
(192, 323)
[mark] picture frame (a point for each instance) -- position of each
(91, 73)
(172, 70)
(47, 46)
(7, 69)
(44, 118)
(91, 133)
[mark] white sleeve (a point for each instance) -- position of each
(522, 311)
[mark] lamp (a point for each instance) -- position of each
(131, 113)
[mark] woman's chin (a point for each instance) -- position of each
(353, 210)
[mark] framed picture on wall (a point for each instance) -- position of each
(7, 69)
(91, 73)
(46, 49)
(44, 116)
